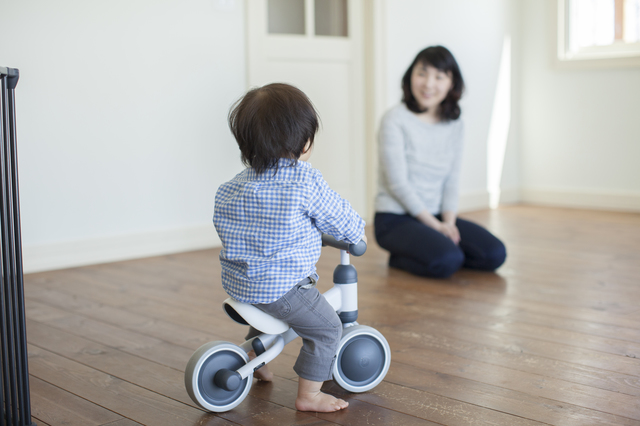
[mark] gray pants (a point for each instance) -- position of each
(310, 315)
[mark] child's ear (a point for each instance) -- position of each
(307, 147)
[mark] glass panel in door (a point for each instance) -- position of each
(331, 18)
(286, 16)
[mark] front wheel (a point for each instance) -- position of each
(199, 376)
(363, 359)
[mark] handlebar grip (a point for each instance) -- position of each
(354, 249)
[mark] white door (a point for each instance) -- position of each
(316, 45)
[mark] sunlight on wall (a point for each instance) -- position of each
(499, 128)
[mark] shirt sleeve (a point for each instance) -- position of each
(450, 190)
(332, 214)
(393, 162)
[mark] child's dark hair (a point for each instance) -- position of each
(440, 58)
(272, 122)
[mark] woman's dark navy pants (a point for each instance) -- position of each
(421, 250)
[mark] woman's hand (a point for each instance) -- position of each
(447, 227)
(450, 230)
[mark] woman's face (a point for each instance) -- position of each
(429, 85)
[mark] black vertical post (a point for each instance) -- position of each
(16, 406)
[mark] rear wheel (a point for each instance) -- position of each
(199, 376)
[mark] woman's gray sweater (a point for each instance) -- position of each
(419, 164)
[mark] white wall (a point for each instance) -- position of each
(580, 140)
(475, 32)
(121, 113)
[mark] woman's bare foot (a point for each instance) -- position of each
(310, 398)
(262, 373)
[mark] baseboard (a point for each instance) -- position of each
(46, 257)
(510, 196)
(69, 254)
(471, 201)
(610, 200)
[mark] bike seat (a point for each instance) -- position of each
(247, 314)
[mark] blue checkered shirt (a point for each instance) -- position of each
(271, 225)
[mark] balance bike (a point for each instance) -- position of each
(219, 374)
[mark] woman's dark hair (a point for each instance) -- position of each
(272, 122)
(440, 58)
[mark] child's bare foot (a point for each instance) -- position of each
(320, 402)
(310, 398)
(262, 373)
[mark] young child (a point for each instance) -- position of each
(270, 218)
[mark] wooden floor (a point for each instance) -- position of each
(552, 338)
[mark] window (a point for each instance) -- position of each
(599, 30)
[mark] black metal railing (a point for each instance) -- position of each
(16, 406)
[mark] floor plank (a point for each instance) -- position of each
(54, 406)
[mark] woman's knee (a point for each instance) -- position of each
(447, 264)
(442, 266)
(496, 256)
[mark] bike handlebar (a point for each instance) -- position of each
(354, 249)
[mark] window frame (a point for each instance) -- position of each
(618, 54)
